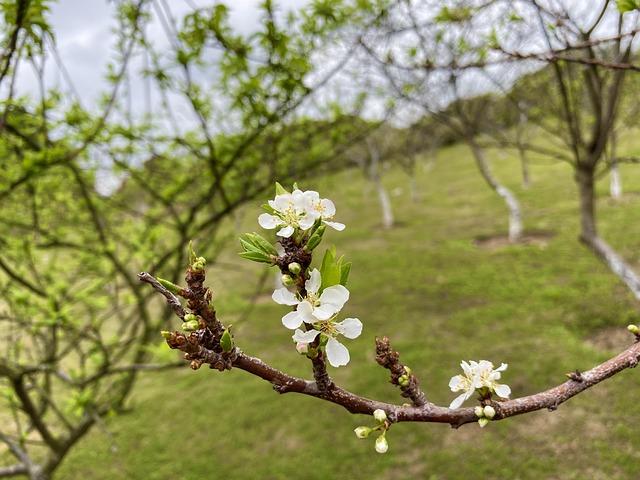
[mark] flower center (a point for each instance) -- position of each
(327, 327)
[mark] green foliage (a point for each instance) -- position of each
(627, 5)
(257, 248)
(334, 271)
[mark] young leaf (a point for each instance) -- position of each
(280, 190)
(256, 257)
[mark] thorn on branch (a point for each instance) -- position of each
(401, 375)
(576, 376)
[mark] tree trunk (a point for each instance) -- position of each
(515, 213)
(524, 163)
(385, 205)
(589, 234)
(375, 177)
(615, 186)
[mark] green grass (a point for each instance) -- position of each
(440, 299)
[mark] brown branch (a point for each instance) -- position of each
(172, 300)
(401, 375)
(421, 411)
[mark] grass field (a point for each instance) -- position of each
(545, 309)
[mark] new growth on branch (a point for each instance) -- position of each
(316, 296)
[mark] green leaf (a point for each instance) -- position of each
(264, 245)
(280, 190)
(256, 257)
(330, 270)
(344, 273)
(627, 5)
(226, 341)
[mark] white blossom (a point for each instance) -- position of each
(477, 375)
(290, 212)
(319, 310)
(322, 208)
(314, 307)
(298, 210)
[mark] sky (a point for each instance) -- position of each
(84, 39)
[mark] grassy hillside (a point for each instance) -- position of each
(545, 308)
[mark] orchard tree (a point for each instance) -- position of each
(430, 56)
(77, 326)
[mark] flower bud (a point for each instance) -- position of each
(302, 348)
(634, 329)
(226, 341)
(363, 432)
(403, 380)
(287, 281)
(381, 444)
(295, 268)
(380, 415)
(165, 334)
(483, 422)
(189, 317)
(489, 412)
(478, 411)
(407, 370)
(191, 326)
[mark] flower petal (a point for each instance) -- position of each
(337, 353)
(306, 222)
(285, 232)
(306, 312)
(282, 202)
(268, 222)
(292, 320)
(335, 225)
(336, 295)
(312, 285)
(457, 402)
(284, 297)
(502, 390)
(456, 383)
(350, 327)
(328, 208)
(305, 337)
(325, 311)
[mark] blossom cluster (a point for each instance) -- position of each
(298, 210)
(317, 312)
(316, 308)
(478, 376)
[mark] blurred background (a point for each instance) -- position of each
(482, 154)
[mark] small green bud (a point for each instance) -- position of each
(287, 281)
(381, 444)
(489, 412)
(226, 341)
(478, 411)
(295, 268)
(634, 329)
(191, 326)
(407, 370)
(165, 334)
(363, 432)
(380, 415)
(403, 381)
(197, 266)
(190, 317)
(483, 422)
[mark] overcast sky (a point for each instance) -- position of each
(84, 38)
